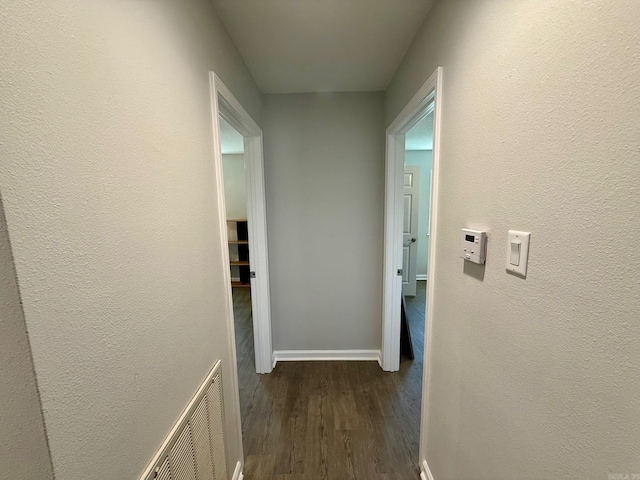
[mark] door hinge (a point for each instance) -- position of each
(252, 274)
(399, 272)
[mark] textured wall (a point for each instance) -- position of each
(108, 185)
(324, 173)
(535, 378)
(23, 445)
(422, 159)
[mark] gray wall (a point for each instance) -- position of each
(109, 193)
(535, 378)
(324, 170)
(424, 160)
(23, 453)
(235, 191)
(235, 198)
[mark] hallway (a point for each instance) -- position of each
(329, 420)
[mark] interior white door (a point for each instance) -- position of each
(410, 229)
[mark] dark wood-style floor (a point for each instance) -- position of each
(330, 420)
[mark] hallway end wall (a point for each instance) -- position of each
(324, 171)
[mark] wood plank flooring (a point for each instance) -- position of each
(330, 420)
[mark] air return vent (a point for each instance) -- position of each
(195, 448)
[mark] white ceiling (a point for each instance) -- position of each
(230, 139)
(322, 45)
(420, 137)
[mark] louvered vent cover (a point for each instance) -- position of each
(195, 449)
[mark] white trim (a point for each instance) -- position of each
(325, 355)
(431, 268)
(422, 276)
(224, 103)
(425, 473)
(237, 473)
(430, 92)
(224, 252)
(392, 282)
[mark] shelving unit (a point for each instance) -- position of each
(238, 235)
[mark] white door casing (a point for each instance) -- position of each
(429, 94)
(423, 102)
(410, 229)
(224, 104)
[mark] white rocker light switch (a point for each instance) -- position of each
(518, 252)
(515, 252)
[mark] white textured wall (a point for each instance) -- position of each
(324, 174)
(422, 159)
(235, 183)
(108, 186)
(23, 445)
(535, 378)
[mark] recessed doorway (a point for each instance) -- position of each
(235, 195)
(239, 167)
(418, 163)
(428, 100)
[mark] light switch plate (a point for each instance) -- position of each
(518, 265)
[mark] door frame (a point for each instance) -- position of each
(430, 92)
(225, 104)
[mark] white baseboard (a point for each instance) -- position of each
(237, 473)
(319, 355)
(425, 474)
(422, 276)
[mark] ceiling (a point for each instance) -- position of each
(295, 46)
(230, 139)
(420, 137)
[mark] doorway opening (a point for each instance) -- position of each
(247, 232)
(239, 168)
(235, 195)
(418, 163)
(240, 250)
(418, 179)
(401, 255)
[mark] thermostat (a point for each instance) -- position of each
(474, 245)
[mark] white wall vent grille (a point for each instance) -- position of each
(163, 471)
(195, 448)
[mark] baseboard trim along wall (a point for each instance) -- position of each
(425, 474)
(237, 473)
(422, 276)
(324, 355)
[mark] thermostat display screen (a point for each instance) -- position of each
(470, 238)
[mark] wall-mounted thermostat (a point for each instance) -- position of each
(474, 245)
